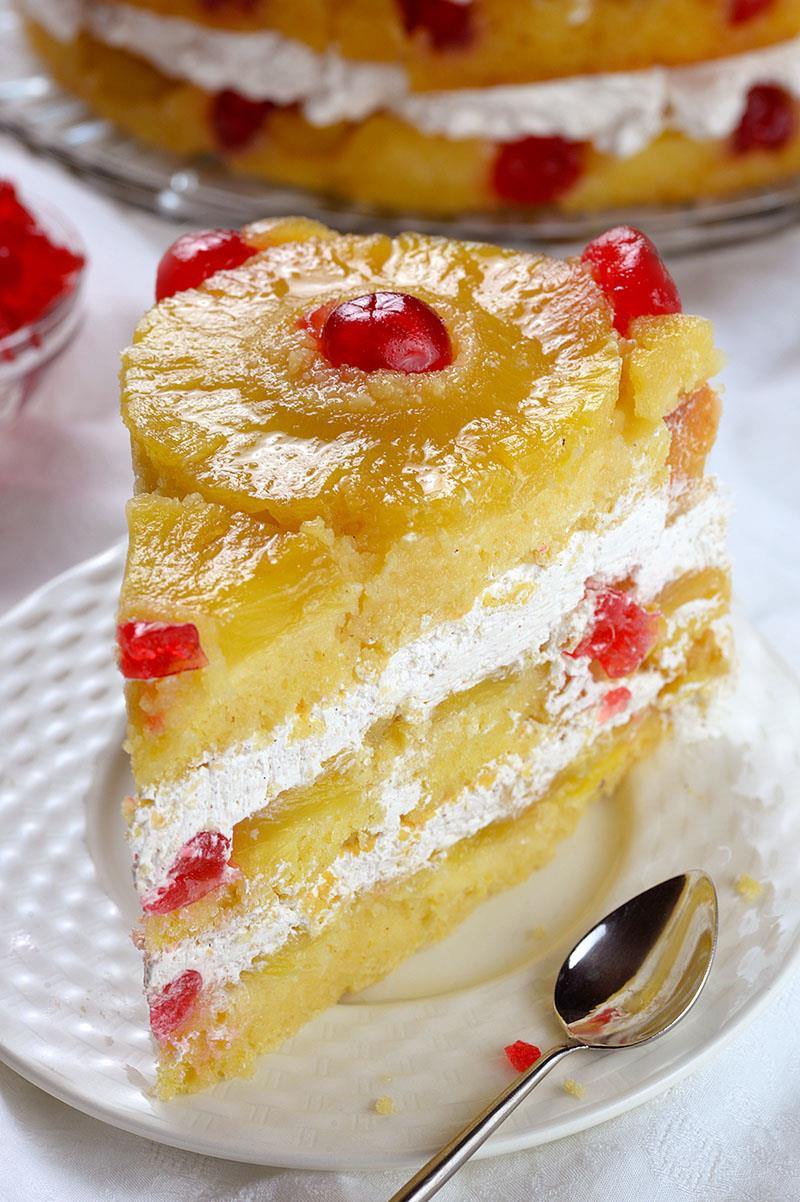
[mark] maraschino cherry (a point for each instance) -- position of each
(446, 23)
(537, 170)
(521, 1055)
(615, 702)
(235, 119)
(149, 650)
(35, 271)
(384, 331)
(769, 120)
(173, 1005)
(623, 634)
(629, 270)
(195, 257)
(740, 11)
(200, 865)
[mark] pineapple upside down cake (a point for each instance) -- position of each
(446, 106)
(422, 558)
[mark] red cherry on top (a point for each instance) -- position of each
(149, 650)
(198, 868)
(385, 331)
(235, 119)
(622, 636)
(170, 1009)
(740, 11)
(446, 23)
(536, 171)
(192, 258)
(769, 120)
(629, 270)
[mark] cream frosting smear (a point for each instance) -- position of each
(523, 617)
(619, 112)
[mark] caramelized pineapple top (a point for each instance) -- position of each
(227, 391)
(277, 387)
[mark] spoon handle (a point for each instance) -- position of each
(440, 1168)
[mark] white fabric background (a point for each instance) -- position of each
(730, 1133)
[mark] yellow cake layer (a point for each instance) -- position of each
(514, 42)
(317, 574)
(304, 830)
(386, 163)
(373, 934)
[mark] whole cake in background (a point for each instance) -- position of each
(447, 106)
(422, 558)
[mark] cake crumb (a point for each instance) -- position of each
(384, 1105)
(748, 888)
(537, 932)
(387, 1077)
(574, 1088)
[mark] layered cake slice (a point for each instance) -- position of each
(422, 558)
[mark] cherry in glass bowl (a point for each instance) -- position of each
(26, 351)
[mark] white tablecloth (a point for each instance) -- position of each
(732, 1131)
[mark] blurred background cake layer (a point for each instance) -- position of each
(445, 107)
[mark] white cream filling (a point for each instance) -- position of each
(620, 112)
(514, 621)
(224, 952)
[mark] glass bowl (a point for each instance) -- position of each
(26, 351)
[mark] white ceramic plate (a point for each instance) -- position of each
(72, 1017)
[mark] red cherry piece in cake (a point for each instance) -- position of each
(315, 320)
(171, 1008)
(537, 170)
(200, 865)
(220, 6)
(616, 701)
(630, 272)
(235, 119)
(769, 120)
(386, 331)
(149, 650)
(740, 11)
(522, 1055)
(193, 258)
(446, 23)
(623, 633)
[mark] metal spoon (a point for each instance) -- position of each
(627, 981)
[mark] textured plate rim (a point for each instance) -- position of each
(153, 1128)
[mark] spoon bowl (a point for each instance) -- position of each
(636, 973)
(630, 979)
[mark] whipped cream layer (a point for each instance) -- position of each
(230, 948)
(619, 112)
(523, 617)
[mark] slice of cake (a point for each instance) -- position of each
(422, 558)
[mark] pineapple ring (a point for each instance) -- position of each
(226, 394)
